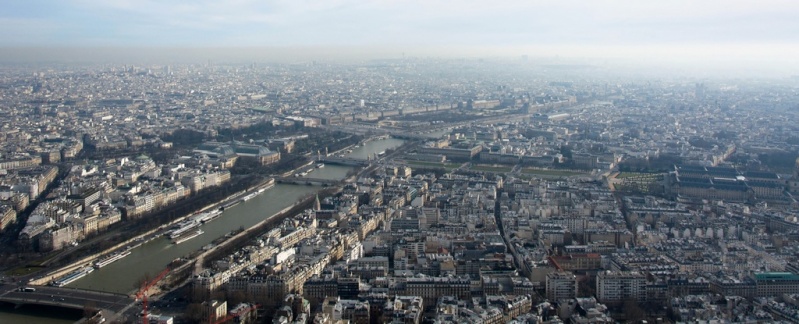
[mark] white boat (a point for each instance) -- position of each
(207, 216)
(250, 196)
(320, 165)
(110, 259)
(231, 204)
(72, 276)
(183, 228)
(187, 237)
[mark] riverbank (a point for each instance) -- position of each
(140, 238)
(361, 143)
(153, 256)
(253, 231)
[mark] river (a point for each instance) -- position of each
(370, 148)
(38, 315)
(152, 257)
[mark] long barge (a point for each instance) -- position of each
(111, 258)
(250, 196)
(183, 228)
(72, 276)
(257, 192)
(187, 237)
(207, 216)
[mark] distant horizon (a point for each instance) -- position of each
(777, 60)
(739, 35)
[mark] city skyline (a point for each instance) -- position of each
(396, 161)
(729, 33)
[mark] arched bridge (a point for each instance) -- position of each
(413, 136)
(304, 180)
(344, 161)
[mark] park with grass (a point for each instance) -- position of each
(432, 165)
(491, 168)
(626, 175)
(551, 172)
(22, 271)
(638, 182)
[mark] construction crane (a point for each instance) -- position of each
(253, 308)
(142, 293)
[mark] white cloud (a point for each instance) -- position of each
(27, 31)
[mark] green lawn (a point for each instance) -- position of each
(550, 172)
(623, 175)
(263, 109)
(637, 182)
(422, 164)
(490, 168)
(21, 271)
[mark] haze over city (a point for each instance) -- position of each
(709, 34)
(404, 162)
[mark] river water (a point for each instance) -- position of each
(152, 257)
(37, 314)
(370, 148)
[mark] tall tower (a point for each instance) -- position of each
(699, 91)
(793, 185)
(796, 168)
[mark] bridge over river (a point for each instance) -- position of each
(65, 297)
(150, 257)
(344, 161)
(307, 181)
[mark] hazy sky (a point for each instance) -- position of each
(742, 28)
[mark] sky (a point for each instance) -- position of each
(730, 29)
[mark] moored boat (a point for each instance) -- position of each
(111, 258)
(208, 216)
(183, 228)
(188, 236)
(72, 276)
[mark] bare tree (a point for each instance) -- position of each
(142, 281)
(633, 312)
(194, 312)
(89, 310)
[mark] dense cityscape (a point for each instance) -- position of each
(411, 190)
(414, 161)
